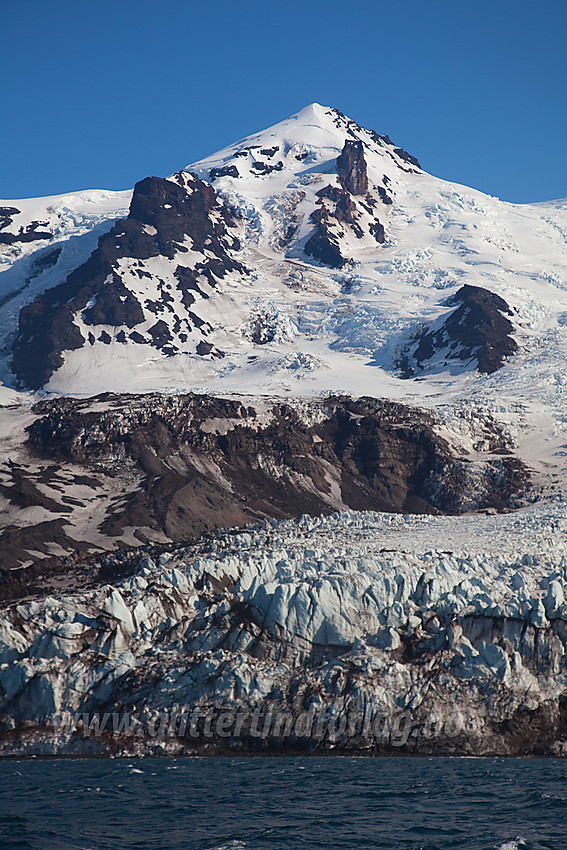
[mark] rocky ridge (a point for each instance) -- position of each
(477, 329)
(164, 214)
(119, 471)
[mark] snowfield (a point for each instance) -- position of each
(293, 327)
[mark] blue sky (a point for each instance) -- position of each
(101, 94)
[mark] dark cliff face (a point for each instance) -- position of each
(381, 453)
(337, 207)
(324, 248)
(478, 328)
(162, 214)
(175, 467)
(351, 168)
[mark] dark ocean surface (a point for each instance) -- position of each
(280, 803)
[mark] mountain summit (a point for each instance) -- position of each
(315, 256)
(293, 334)
(300, 191)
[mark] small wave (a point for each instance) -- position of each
(512, 845)
(232, 845)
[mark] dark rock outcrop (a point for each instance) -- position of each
(478, 328)
(185, 465)
(7, 216)
(224, 171)
(351, 168)
(324, 247)
(204, 348)
(377, 230)
(29, 234)
(43, 262)
(337, 207)
(163, 212)
(407, 157)
(266, 168)
(384, 196)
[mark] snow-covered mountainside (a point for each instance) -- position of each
(315, 257)
(310, 259)
(41, 241)
(40, 223)
(302, 324)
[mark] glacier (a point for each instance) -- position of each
(222, 394)
(381, 632)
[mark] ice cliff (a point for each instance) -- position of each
(352, 632)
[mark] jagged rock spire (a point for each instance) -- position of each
(351, 168)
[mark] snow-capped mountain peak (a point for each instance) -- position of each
(314, 136)
(310, 257)
(315, 258)
(281, 176)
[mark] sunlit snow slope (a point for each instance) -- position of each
(256, 302)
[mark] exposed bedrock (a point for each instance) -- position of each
(31, 233)
(163, 213)
(347, 208)
(304, 636)
(477, 328)
(364, 453)
(175, 467)
(324, 247)
(351, 168)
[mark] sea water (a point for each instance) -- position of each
(281, 803)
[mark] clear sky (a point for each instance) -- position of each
(100, 94)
